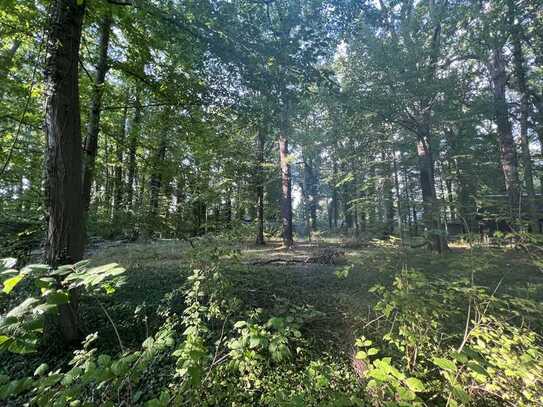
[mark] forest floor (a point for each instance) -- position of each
(336, 297)
(338, 292)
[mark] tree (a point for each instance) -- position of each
(64, 203)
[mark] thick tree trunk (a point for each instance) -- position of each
(65, 237)
(431, 216)
(93, 130)
(508, 156)
(260, 188)
(520, 73)
(286, 184)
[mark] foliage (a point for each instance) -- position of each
(425, 356)
(22, 326)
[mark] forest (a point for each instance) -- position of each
(271, 203)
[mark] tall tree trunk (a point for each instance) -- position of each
(133, 134)
(388, 199)
(119, 187)
(314, 191)
(91, 139)
(65, 238)
(286, 182)
(155, 183)
(260, 188)
(508, 156)
(520, 73)
(399, 205)
(334, 204)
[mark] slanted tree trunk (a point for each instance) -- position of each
(65, 238)
(508, 156)
(286, 183)
(260, 188)
(93, 130)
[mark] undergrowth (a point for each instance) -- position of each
(388, 328)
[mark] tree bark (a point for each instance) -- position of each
(508, 156)
(93, 130)
(64, 205)
(286, 183)
(430, 214)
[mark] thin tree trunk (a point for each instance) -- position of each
(520, 74)
(119, 187)
(155, 183)
(91, 139)
(286, 183)
(508, 156)
(387, 196)
(398, 195)
(260, 188)
(133, 134)
(65, 238)
(334, 196)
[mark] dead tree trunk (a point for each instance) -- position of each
(64, 204)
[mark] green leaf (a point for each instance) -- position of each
(57, 298)
(406, 394)
(414, 384)
(10, 283)
(361, 355)
(445, 364)
(41, 370)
